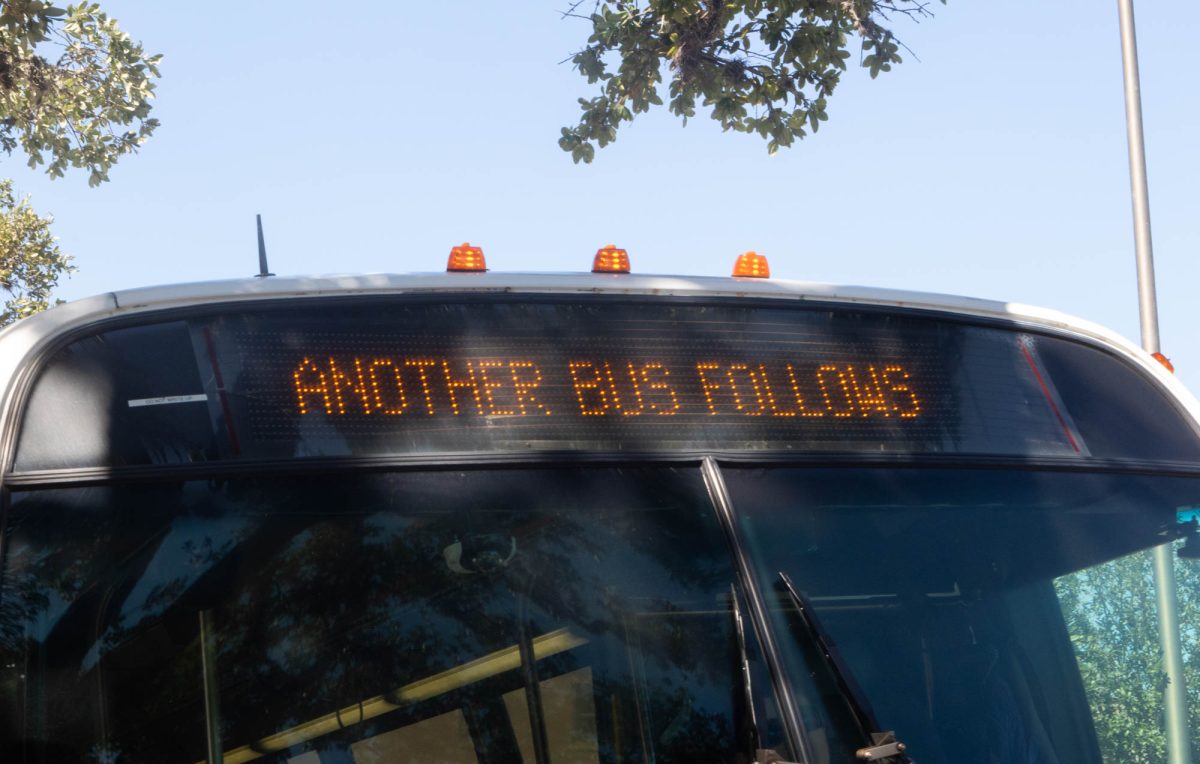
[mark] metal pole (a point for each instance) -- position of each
(1143, 248)
(1178, 742)
(208, 667)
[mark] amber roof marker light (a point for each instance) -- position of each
(465, 258)
(610, 259)
(752, 265)
(1166, 362)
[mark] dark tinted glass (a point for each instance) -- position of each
(988, 616)
(371, 619)
(127, 396)
(384, 377)
(1102, 397)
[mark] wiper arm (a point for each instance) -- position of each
(884, 745)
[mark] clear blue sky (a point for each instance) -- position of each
(372, 137)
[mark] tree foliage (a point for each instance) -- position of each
(763, 66)
(75, 92)
(30, 260)
(1111, 615)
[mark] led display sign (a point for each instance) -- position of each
(489, 376)
(423, 386)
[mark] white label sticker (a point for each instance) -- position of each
(166, 399)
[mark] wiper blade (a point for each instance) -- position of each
(884, 746)
(747, 721)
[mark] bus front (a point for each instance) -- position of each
(685, 520)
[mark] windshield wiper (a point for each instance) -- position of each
(747, 721)
(884, 746)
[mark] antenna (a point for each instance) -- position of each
(263, 271)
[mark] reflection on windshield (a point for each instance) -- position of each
(586, 615)
(562, 615)
(990, 616)
(508, 659)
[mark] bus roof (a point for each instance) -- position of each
(29, 334)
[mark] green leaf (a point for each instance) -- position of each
(740, 57)
(31, 262)
(80, 97)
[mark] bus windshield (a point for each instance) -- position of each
(581, 614)
(987, 616)
(536, 615)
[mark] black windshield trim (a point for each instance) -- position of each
(793, 724)
(511, 460)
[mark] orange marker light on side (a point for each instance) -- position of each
(610, 259)
(1166, 362)
(752, 265)
(466, 258)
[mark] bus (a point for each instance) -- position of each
(600, 517)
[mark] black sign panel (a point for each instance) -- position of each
(397, 376)
(628, 376)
